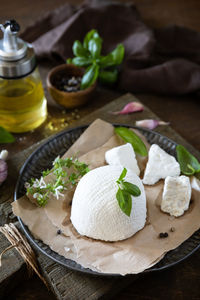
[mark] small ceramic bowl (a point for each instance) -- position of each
(68, 99)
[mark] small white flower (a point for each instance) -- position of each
(57, 192)
(59, 188)
(56, 159)
(42, 183)
(39, 183)
(36, 183)
(36, 195)
(27, 185)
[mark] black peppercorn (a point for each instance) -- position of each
(163, 235)
(59, 231)
(67, 84)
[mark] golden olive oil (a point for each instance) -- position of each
(22, 103)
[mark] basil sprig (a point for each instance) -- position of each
(5, 136)
(125, 190)
(188, 163)
(131, 137)
(88, 55)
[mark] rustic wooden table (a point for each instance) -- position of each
(182, 281)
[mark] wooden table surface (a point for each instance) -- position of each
(182, 281)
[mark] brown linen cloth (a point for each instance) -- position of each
(164, 61)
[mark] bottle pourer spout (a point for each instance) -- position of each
(12, 48)
(10, 30)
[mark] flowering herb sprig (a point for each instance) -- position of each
(124, 193)
(62, 179)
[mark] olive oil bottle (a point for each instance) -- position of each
(23, 106)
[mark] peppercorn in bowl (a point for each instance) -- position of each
(64, 85)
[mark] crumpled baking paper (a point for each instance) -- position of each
(130, 256)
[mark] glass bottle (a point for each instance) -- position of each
(23, 106)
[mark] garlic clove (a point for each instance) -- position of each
(129, 108)
(150, 124)
(4, 154)
(3, 171)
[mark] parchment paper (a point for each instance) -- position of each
(130, 256)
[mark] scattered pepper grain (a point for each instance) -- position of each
(163, 235)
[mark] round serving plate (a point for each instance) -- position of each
(42, 158)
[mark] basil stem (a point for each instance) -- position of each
(123, 174)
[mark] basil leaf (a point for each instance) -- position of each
(90, 76)
(125, 201)
(108, 76)
(131, 188)
(79, 50)
(5, 136)
(81, 61)
(106, 61)
(91, 34)
(118, 54)
(94, 46)
(69, 61)
(188, 163)
(131, 137)
(123, 174)
(114, 58)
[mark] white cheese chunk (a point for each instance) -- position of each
(95, 210)
(160, 165)
(195, 183)
(176, 195)
(124, 156)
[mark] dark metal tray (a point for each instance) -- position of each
(42, 159)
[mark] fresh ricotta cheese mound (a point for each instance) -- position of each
(95, 211)
(124, 156)
(176, 195)
(160, 165)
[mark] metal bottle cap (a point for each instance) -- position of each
(17, 58)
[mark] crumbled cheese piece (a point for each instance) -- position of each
(160, 165)
(195, 183)
(176, 195)
(95, 210)
(67, 249)
(124, 156)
